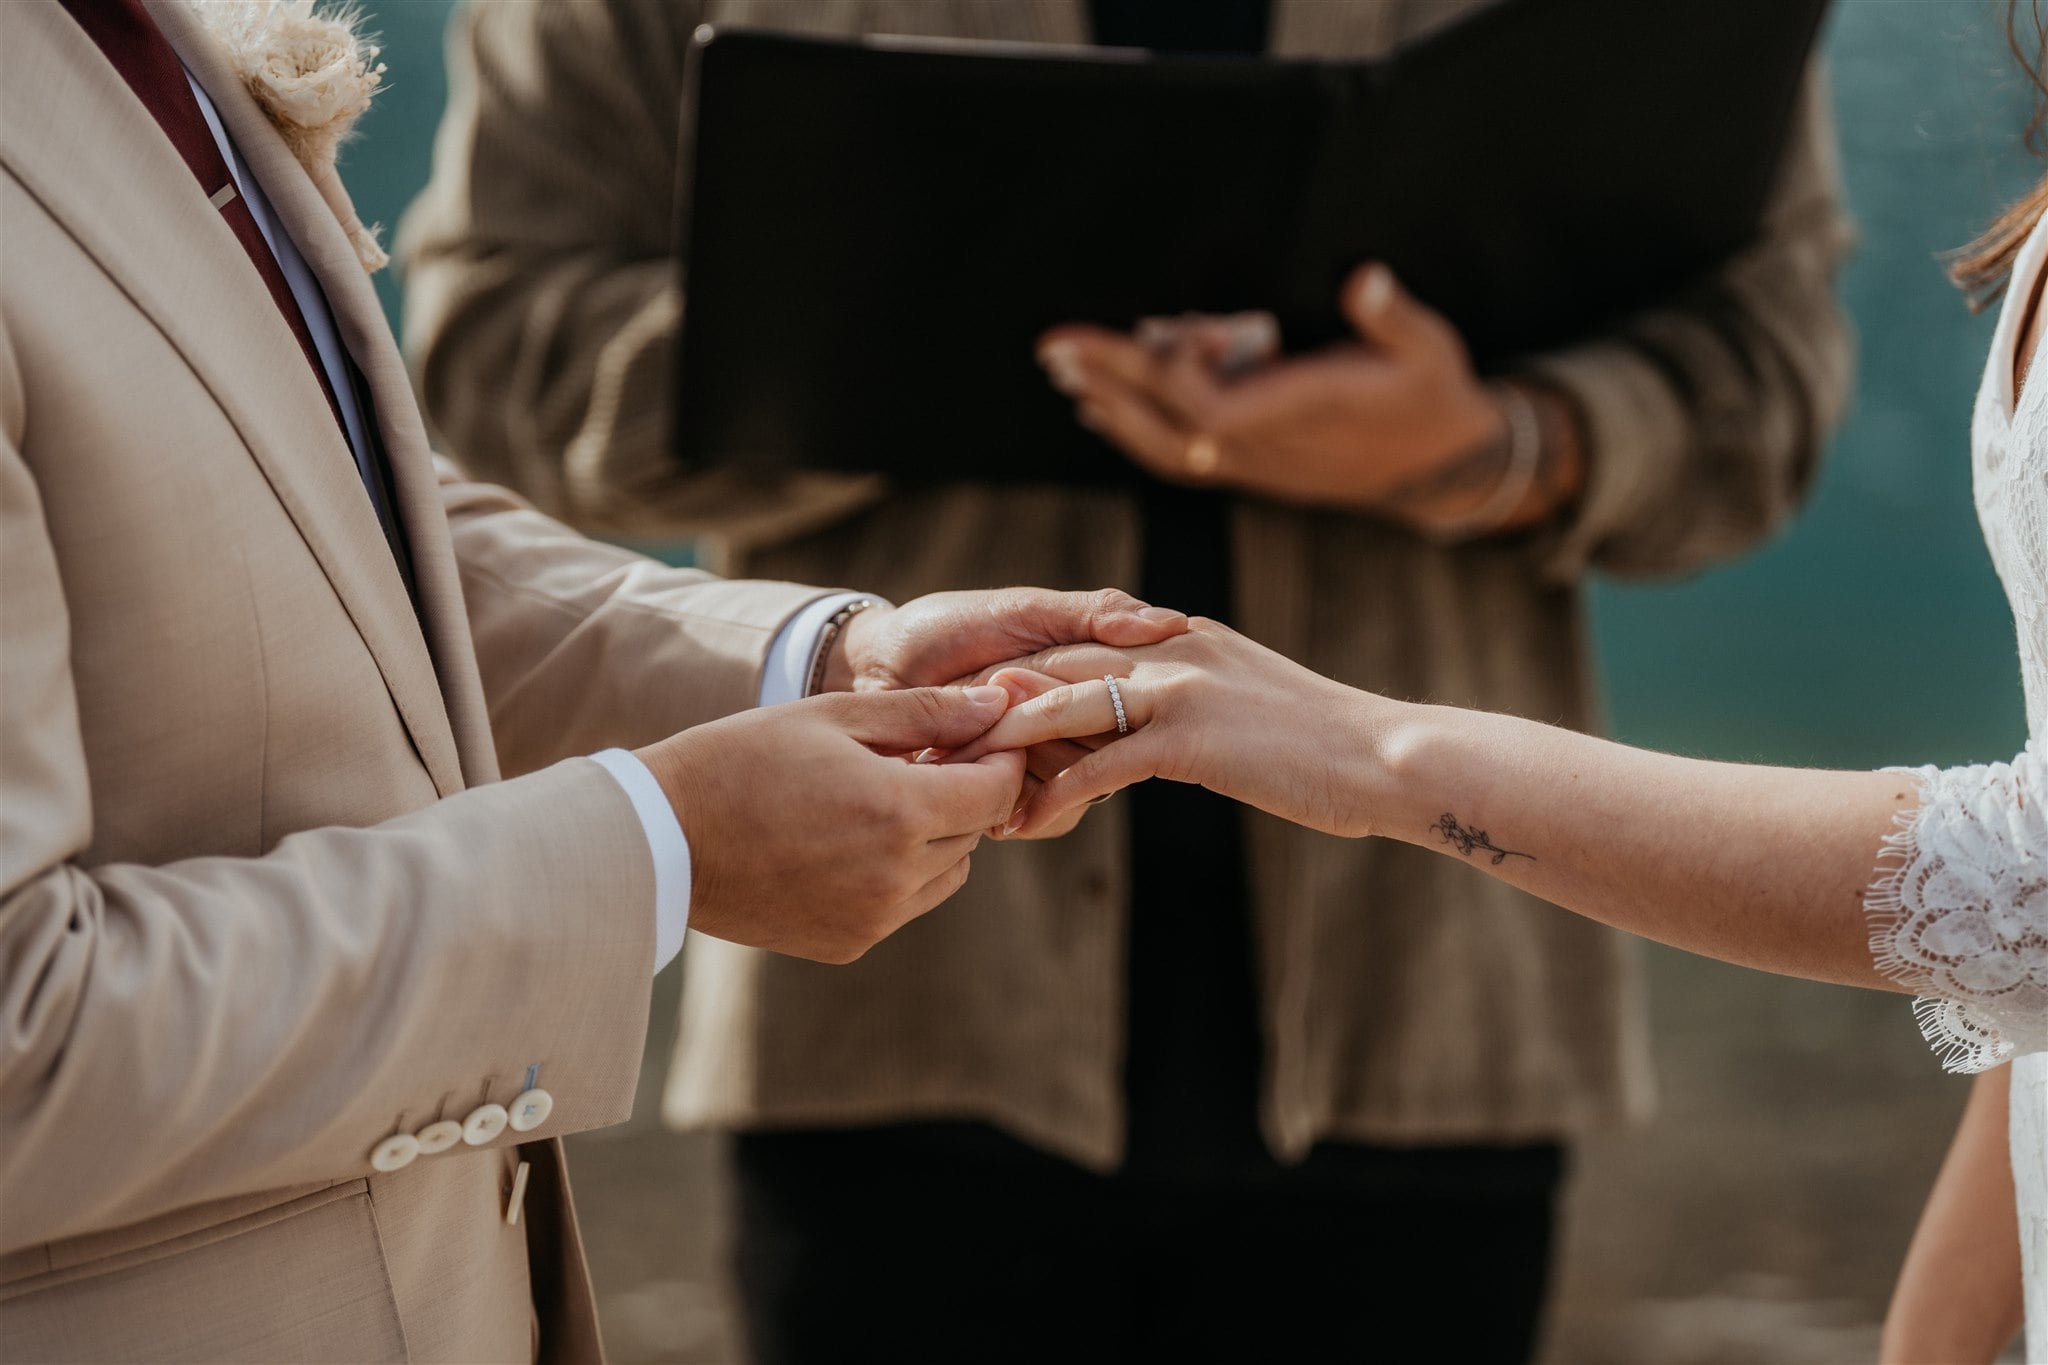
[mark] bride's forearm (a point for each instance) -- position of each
(1766, 867)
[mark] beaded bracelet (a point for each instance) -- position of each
(827, 637)
(1525, 460)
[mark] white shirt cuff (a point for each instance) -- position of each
(666, 842)
(795, 651)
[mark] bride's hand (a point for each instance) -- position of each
(1208, 707)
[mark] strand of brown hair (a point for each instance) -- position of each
(1984, 267)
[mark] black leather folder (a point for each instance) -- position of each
(876, 231)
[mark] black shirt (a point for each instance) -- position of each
(1192, 1065)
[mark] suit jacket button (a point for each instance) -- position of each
(485, 1122)
(436, 1138)
(395, 1153)
(531, 1110)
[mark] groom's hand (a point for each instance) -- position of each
(949, 636)
(810, 831)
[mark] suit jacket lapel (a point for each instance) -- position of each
(79, 141)
(359, 317)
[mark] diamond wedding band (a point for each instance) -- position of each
(1116, 699)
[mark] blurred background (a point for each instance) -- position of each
(1761, 1216)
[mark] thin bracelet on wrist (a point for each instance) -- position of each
(822, 659)
(1524, 462)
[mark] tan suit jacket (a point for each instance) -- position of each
(263, 899)
(1403, 997)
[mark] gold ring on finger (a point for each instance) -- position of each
(1203, 456)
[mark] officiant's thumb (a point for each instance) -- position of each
(921, 718)
(1382, 312)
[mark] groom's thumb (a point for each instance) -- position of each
(922, 718)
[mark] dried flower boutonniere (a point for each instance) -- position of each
(314, 75)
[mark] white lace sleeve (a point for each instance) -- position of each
(1959, 911)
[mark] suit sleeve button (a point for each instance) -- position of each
(436, 1138)
(531, 1110)
(394, 1153)
(485, 1122)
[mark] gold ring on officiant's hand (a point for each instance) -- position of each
(1203, 456)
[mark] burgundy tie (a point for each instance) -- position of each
(137, 48)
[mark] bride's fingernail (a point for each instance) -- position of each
(1016, 822)
(926, 756)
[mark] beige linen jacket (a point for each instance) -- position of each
(1405, 998)
(263, 900)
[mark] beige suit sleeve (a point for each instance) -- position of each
(541, 299)
(1706, 418)
(585, 646)
(221, 1026)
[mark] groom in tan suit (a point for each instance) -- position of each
(298, 994)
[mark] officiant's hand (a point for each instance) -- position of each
(811, 830)
(1396, 423)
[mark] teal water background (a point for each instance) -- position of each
(1874, 630)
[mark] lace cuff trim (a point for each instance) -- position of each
(1959, 910)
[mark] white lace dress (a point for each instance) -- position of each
(1960, 909)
